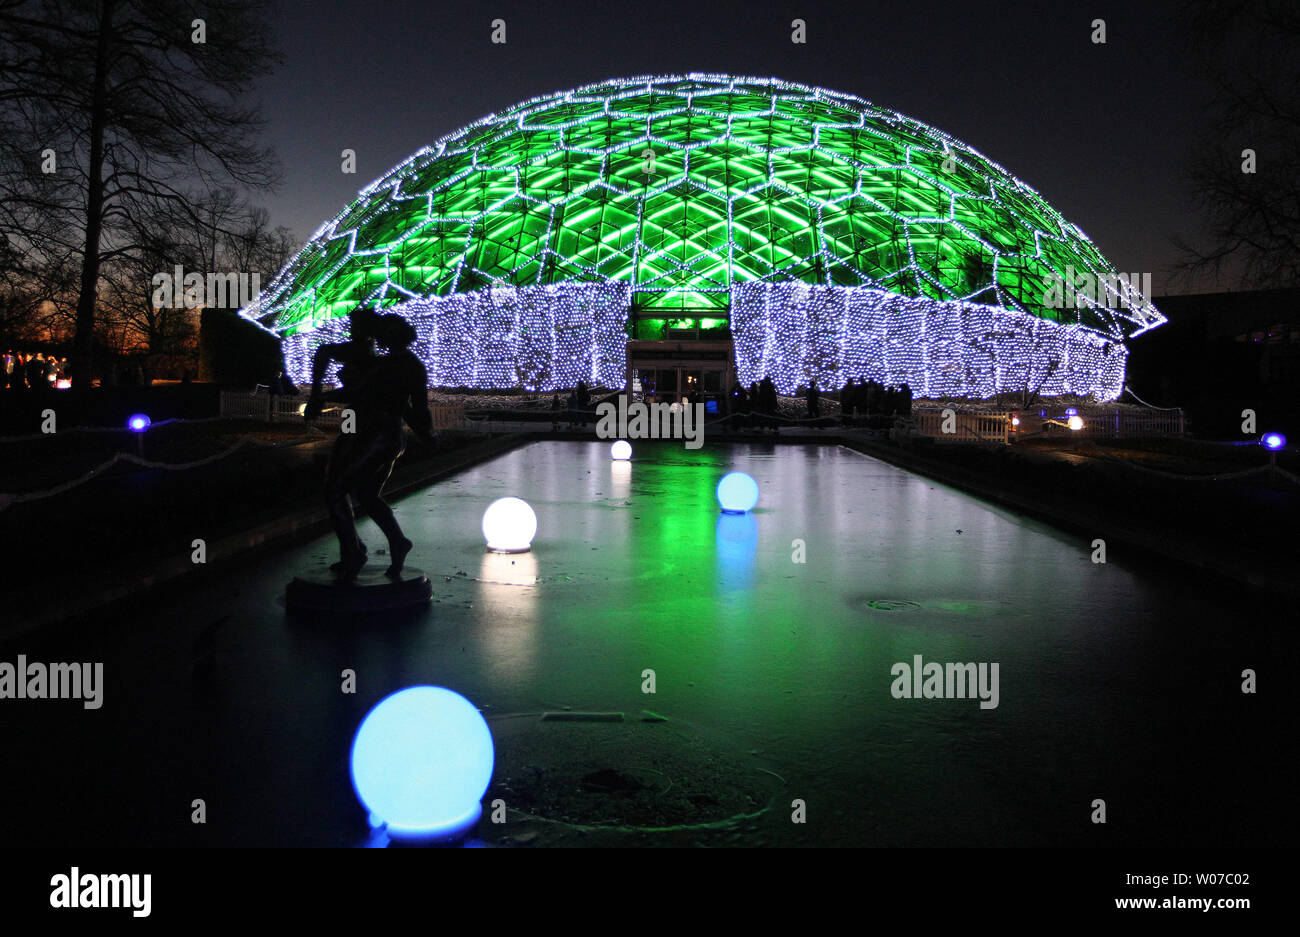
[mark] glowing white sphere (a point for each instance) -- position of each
(737, 493)
(421, 762)
(1075, 422)
(621, 450)
(509, 525)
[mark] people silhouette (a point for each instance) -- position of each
(36, 371)
(739, 406)
(814, 399)
(768, 402)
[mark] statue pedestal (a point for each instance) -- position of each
(317, 590)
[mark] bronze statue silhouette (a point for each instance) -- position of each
(383, 392)
(356, 355)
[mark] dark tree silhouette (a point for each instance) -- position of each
(1249, 53)
(140, 118)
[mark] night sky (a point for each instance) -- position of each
(1103, 132)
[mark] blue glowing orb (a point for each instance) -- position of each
(421, 763)
(737, 493)
(1274, 440)
(137, 423)
(1071, 411)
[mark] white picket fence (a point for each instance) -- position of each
(1117, 423)
(964, 426)
(993, 426)
(261, 406)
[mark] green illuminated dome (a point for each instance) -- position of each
(684, 187)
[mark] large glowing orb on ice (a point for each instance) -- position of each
(737, 493)
(421, 763)
(509, 525)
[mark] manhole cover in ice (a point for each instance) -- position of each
(641, 776)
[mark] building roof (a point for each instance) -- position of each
(686, 186)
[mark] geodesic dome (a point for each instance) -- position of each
(536, 241)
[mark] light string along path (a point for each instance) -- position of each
(7, 499)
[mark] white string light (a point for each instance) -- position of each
(795, 333)
(541, 338)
